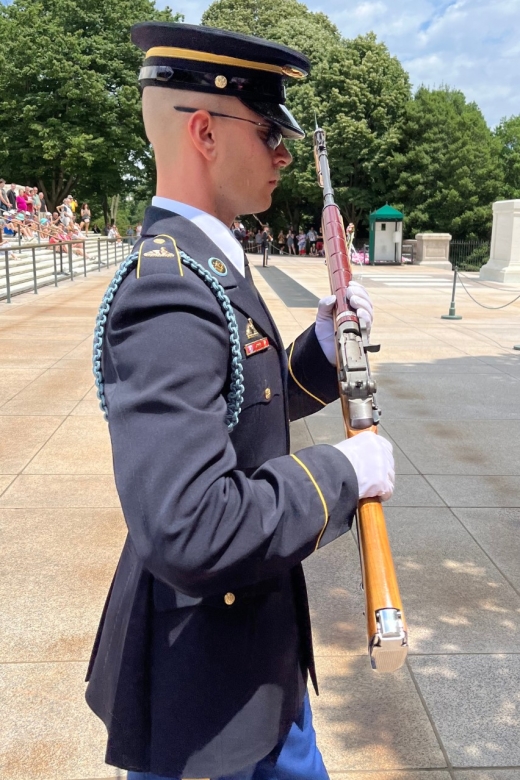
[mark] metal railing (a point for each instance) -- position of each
(469, 255)
(24, 261)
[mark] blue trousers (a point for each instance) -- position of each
(299, 758)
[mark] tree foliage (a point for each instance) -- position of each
(445, 172)
(70, 116)
(357, 90)
(508, 136)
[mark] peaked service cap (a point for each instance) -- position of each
(204, 59)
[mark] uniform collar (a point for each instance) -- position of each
(215, 230)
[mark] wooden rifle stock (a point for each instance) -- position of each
(386, 627)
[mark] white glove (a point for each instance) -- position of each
(360, 301)
(372, 460)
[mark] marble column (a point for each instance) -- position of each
(504, 261)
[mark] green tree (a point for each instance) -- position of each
(446, 171)
(508, 136)
(357, 91)
(70, 117)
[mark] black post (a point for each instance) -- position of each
(7, 279)
(55, 268)
(452, 315)
(99, 254)
(71, 267)
(35, 281)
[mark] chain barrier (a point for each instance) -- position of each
(483, 305)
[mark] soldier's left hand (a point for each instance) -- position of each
(359, 300)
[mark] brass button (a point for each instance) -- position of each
(267, 393)
(229, 598)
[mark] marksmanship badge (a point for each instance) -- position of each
(217, 266)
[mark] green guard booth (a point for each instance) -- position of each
(386, 235)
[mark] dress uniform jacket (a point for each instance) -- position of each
(201, 660)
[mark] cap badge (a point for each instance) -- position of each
(217, 266)
(220, 82)
(292, 72)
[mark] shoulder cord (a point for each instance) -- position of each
(236, 392)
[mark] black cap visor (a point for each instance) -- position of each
(279, 115)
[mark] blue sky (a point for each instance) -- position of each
(473, 45)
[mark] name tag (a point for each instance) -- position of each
(256, 346)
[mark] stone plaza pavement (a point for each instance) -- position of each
(450, 394)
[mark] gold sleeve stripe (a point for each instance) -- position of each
(320, 494)
(299, 383)
(162, 235)
(221, 59)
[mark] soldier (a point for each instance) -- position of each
(201, 661)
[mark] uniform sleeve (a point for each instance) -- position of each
(313, 381)
(197, 523)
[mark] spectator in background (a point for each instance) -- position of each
(312, 236)
(36, 201)
(265, 238)
(65, 211)
(85, 218)
(281, 241)
(258, 240)
(73, 203)
(43, 205)
(302, 243)
(96, 230)
(28, 199)
(138, 229)
(239, 232)
(319, 247)
(21, 203)
(129, 235)
(290, 242)
(4, 200)
(11, 194)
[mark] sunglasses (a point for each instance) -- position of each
(274, 136)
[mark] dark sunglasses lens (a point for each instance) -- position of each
(274, 139)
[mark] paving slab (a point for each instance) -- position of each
(488, 774)
(21, 438)
(498, 533)
(336, 599)
(456, 601)
(436, 396)
(363, 719)
(58, 490)
(402, 774)
(47, 731)
(52, 600)
(475, 705)
(459, 448)
(62, 455)
(482, 491)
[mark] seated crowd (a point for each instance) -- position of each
(24, 217)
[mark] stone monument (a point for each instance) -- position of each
(504, 261)
(434, 249)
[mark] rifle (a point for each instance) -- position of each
(386, 627)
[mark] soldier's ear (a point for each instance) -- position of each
(202, 131)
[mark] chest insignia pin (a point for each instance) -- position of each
(217, 266)
(251, 331)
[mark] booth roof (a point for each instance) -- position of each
(386, 213)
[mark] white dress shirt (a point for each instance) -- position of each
(211, 226)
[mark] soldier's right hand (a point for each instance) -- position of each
(372, 459)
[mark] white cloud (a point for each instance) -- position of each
(472, 45)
